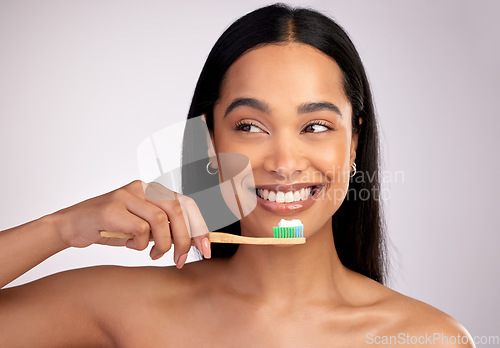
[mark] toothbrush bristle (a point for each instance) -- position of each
(288, 232)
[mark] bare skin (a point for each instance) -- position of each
(262, 296)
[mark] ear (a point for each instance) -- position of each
(354, 142)
(210, 145)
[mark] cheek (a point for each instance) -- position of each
(331, 158)
(332, 165)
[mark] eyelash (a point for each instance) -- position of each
(240, 124)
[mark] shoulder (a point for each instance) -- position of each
(71, 303)
(133, 285)
(399, 319)
(92, 306)
(105, 291)
(98, 286)
(420, 324)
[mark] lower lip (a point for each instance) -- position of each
(288, 208)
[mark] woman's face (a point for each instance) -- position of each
(283, 106)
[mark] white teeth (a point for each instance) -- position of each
(272, 196)
(265, 194)
(305, 192)
(296, 196)
(282, 197)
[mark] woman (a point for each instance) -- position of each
(287, 89)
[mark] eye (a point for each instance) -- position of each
(317, 127)
(247, 127)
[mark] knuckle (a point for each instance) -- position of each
(142, 227)
(188, 201)
(189, 204)
(160, 217)
(176, 208)
(139, 186)
(137, 182)
(136, 188)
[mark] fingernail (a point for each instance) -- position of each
(182, 260)
(155, 255)
(205, 245)
(203, 248)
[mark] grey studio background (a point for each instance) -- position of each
(83, 82)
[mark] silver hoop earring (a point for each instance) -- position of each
(353, 172)
(208, 170)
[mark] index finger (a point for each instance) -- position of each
(192, 218)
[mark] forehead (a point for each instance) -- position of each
(292, 71)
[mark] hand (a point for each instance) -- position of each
(137, 209)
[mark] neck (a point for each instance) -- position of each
(291, 273)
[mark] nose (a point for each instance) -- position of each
(286, 158)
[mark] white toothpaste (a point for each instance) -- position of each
(290, 223)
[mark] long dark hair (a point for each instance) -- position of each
(358, 226)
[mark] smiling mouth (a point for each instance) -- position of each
(294, 196)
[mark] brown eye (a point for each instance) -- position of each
(247, 127)
(317, 127)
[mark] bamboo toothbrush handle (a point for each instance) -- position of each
(219, 237)
(118, 235)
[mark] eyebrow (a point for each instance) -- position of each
(263, 107)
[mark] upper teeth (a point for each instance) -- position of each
(285, 197)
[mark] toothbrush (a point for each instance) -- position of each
(287, 232)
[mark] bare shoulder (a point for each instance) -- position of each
(137, 287)
(424, 323)
(87, 306)
(413, 322)
(99, 287)
(98, 280)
